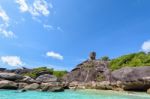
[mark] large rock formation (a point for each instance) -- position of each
(5, 84)
(9, 80)
(95, 74)
(133, 78)
(90, 70)
(148, 91)
(91, 73)
(28, 80)
(33, 86)
(53, 87)
(10, 76)
(19, 71)
(46, 78)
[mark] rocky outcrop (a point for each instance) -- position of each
(46, 78)
(22, 85)
(10, 76)
(5, 84)
(148, 91)
(90, 70)
(44, 82)
(91, 73)
(57, 89)
(20, 71)
(33, 86)
(53, 87)
(133, 78)
(105, 85)
(92, 56)
(95, 74)
(28, 80)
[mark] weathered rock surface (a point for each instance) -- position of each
(13, 79)
(133, 78)
(22, 85)
(33, 86)
(148, 91)
(5, 84)
(57, 89)
(92, 56)
(105, 85)
(28, 79)
(53, 87)
(90, 70)
(10, 76)
(20, 71)
(46, 78)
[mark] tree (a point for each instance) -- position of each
(105, 58)
(59, 74)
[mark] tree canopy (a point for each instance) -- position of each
(130, 60)
(36, 72)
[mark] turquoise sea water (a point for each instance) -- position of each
(70, 94)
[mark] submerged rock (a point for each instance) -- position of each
(56, 89)
(22, 90)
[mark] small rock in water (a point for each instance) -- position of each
(148, 91)
(23, 90)
(57, 89)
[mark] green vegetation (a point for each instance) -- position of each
(59, 74)
(105, 58)
(38, 71)
(130, 60)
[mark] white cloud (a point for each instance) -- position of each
(6, 33)
(5, 24)
(50, 27)
(146, 46)
(41, 6)
(60, 29)
(11, 60)
(37, 8)
(54, 55)
(3, 15)
(23, 5)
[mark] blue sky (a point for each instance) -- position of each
(61, 33)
